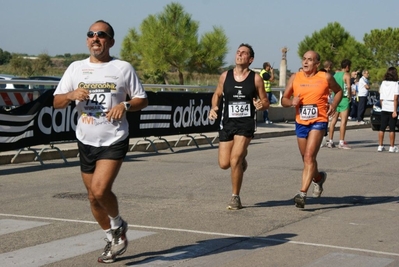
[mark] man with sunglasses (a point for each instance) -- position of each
(100, 86)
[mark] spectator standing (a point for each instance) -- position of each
(308, 92)
(243, 93)
(389, 91)
(354, 102)
(100, 86)
(267, 75)
(327, 67)
(363, 92)
(343, 79)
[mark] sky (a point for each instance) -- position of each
(59, 27)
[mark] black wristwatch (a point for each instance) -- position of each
(127, 105)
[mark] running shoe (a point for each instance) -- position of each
(107, 256)
(318, 187)
(380, 148)
(119, 240)
(300, 200)
(393, 149)
(330, 144)
(235, 203)
(344, 145)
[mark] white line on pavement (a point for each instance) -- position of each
(213, 233)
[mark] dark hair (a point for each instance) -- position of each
(345, 63)
(251, 51)
(391, 74)
(111, 30)
(266, 64)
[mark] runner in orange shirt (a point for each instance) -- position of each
(308, 92)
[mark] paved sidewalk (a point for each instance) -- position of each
(153, 144)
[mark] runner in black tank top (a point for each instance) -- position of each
(238, 110)
(239, 93)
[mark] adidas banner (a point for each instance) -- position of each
(168, 113)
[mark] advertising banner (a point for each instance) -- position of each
(168, 113)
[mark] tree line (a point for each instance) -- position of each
(168, 43)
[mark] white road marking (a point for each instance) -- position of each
(8, 225)
(349, 260)
(50, 252)
(215, 233)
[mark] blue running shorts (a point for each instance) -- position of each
(302, 131)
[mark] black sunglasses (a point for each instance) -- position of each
(100, 34)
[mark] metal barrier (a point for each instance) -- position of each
(7, 94)
(11, 98)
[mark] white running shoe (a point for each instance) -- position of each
(318, 187)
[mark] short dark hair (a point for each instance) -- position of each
(111, 30)
(345, 63)
(266, 64)
(251, 50)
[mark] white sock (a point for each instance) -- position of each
(108, 234)
(341, 142)
(116, 222)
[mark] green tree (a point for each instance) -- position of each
(169, 42)
(384, 46)
(42, 64)
(5, 57)
(21, 65)
(334, 43)
(130, 50)
(211, 51)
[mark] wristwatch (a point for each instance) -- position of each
(127, 105)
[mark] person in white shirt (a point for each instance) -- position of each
(389, 93)
(100, 86)
(363, 91)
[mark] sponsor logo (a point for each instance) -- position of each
(59, 120)
(239, 94)
(192, 115)
(84, 85)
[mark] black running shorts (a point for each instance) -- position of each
(89, 154)
(227, 134)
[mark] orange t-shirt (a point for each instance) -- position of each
(313, 93)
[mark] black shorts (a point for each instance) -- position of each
(387, 120)
(90, 154)
(227, 134)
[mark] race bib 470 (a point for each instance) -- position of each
(308, 112)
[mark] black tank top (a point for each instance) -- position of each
(238, 108)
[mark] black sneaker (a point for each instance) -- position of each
(119, 239)
(300, 200)
(107, 256)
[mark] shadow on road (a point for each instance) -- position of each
(207, 248)
(331, 202)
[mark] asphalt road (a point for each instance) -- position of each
(175, 204)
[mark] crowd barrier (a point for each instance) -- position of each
(28, 119)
